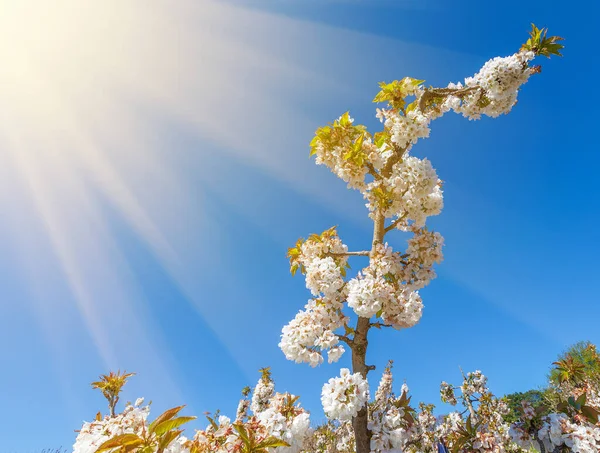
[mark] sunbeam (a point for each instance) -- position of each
(80, 84)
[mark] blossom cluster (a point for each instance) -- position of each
(130, 421)
(343, 397)
(385, 288)
(278, 423)
(574, 425)
(322, 258)
(498, 83)
(281, 425)
(312, 331)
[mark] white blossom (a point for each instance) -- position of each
(344, 396)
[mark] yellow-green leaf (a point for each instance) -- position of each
(168, 425)
(121, 440)
(166, 415)
(166, 440)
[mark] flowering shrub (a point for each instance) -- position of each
(277, 421)
(401, 191)
(567, 422)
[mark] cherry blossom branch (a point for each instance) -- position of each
(395, 223)
(393, 160)
(433, 93)
(379, 325)
(345, 339)
(372, 171)
(361, 253)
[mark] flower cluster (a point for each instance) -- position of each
(312, 331)
(263, 392)
(386, 288)
(322, 258)
(278, 425)
(278, 421)
(499, 81)
(331, 437)
(447, 394)
(475, 382)
(282, 426)
(411, 193)
(344, 396)
(222, 436)
(396, 426)
(391, 419)
(93, 434)
(286, 420)
(573, 425)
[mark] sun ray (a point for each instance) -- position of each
(81, 87)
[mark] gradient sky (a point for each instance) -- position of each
(154, 169)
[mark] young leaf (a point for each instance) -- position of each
(542, 45)
(168, 425)
(166, 440)
(166, 415)
(122, 440)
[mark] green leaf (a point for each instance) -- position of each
(122, 440)
(272, 442)
(345, 120)
(542, 45)
(294, 269)
(168, 425)
(212, 423)
(166, 415)
(242, 432)
(166, 440)
(413, 105)
(380, 138)
(590, 413)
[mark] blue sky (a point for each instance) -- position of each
(153, 177)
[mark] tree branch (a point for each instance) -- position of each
(372, 171)
(345, 339)
(361, 253)
(395, 223)
(393, 160)
(442, 93)
(379, 325)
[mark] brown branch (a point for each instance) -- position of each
(372, 171)
(361, 253)
(395, 223)
(345, 339)
(433, 93)
(379, 325)
(393, 160)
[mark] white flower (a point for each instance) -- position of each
(343, 397)
(262, 394)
